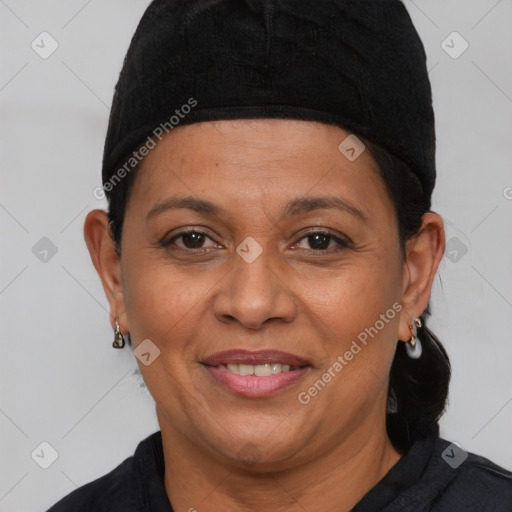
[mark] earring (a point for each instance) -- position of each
(118, 339)
(413, 346)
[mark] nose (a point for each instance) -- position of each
(255, 292)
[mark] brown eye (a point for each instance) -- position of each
(321, 240)
(191, 240)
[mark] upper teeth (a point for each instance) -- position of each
(260, 370)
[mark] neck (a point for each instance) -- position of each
(334, 480)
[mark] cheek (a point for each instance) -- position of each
(353, 298)
(359, 311)
(359, 308)
(166, 306)
(159, 297)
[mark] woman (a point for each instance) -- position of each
(269, 252)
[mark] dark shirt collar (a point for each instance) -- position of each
(150, 470)
(402, 476)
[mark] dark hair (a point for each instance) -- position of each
(418, 388)
(118, 200)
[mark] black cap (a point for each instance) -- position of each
(358, 64)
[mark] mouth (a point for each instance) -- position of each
(260, 370)
(256, 374)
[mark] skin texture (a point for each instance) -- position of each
(229, 452)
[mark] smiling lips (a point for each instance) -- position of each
(257, 374)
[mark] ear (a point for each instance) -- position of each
(424, 252)
(107, 263)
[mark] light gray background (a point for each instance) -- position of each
(61, 381)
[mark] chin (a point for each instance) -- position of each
(259, 451)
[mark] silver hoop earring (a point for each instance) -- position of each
(118, 337)
(413, 346)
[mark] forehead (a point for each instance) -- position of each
(259, 159)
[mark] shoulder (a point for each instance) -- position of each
(111, 492)
(135, 485)
(473, 483)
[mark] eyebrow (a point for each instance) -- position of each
(308, 204)
(299, 206)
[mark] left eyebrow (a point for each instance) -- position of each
(304, 205)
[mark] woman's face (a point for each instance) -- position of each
(299, 265)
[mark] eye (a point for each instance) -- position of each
(320, 241)
(192, 240)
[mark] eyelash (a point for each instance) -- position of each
(342, 244)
